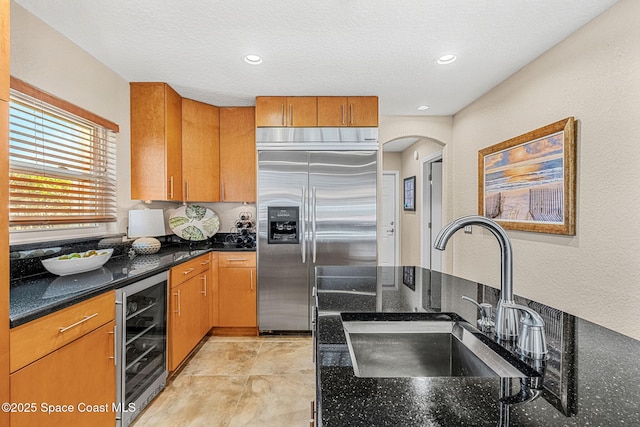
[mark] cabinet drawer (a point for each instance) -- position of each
(237, 259)
(33, 340)
(185, 271)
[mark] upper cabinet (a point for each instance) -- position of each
(237, 154)
(200, 151)
(358, 111)
(286, 111)
(156, 142)
(4, 50)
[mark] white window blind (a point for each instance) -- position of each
(61, 167)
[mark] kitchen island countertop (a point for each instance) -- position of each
(592, 376)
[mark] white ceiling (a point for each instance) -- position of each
(329, 47)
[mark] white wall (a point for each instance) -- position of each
(594, 76)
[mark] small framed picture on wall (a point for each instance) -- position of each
(410, 193)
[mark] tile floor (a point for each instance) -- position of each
(239, 381)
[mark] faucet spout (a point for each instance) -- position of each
(506, 318)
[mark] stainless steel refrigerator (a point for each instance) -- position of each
(316, 206)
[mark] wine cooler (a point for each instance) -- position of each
(141, 344)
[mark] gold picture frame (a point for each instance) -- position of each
(528, 183)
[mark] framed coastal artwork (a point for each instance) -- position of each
(529, 182)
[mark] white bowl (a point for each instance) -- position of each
(75, 265)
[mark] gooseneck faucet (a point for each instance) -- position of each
(506, 318)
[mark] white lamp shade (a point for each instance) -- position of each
(146, 223)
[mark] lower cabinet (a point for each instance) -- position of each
(191, 292)
(184, 320)
(237, 290)
(213, 291)
(73, 386)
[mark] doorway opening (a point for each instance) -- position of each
(431, 211)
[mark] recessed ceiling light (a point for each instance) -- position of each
(423, 107)
(253, 59)
(446, 59)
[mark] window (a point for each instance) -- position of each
(61, 165)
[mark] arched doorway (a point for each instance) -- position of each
(407, 235)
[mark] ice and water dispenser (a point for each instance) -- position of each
(284, 223)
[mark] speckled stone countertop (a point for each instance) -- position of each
(36, 295)
(592, 377)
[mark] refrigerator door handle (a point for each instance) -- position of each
(313, 224)
(303, 219)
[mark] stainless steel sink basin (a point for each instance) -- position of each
(422, 348)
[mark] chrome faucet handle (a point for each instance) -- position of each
(485, 321)
(531, 340)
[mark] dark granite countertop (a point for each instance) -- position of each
(34, 296)
(592, 377)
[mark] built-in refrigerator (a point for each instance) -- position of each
(316, 206)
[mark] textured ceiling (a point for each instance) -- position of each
(329, 47)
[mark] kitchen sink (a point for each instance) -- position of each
(424, 345)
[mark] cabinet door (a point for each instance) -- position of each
(333, 111)
(270, 111)
(184, 320)
(200, 151)
(205, 303)
(214, 295)
(281, 111)
(237, 288)
(302, 111)
(173, 151)
(4, 50)
(82, 372)
(156, 136)
(363, 111)
(237, 154)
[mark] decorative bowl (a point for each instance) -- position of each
(77, 262)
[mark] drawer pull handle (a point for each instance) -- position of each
(66, 328)
(236, 259)
(204, 262)
(188, 271)
(204, 279)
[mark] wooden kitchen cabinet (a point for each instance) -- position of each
(81, 373)
(357, 111)
(184, 319)
(237, 154)
(207, 287)
(200, 151)
(286, 111)
(4, 50)
(189, 308)
(33, 340)
(237, 290)
(156, 142)
(214, 296)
